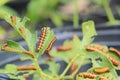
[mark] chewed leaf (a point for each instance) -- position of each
(88, 30)
(101, 61)
(12, 44)
(19, 25)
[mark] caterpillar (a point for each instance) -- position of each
(50, 45)
(22, 30)
(64, 48)
(102, 70)
(92, 47)
(41, 40)
(114, 61)
(23, 68)
(115, 51)
(91, 76)
(29, 53)
(4, 46)
(13, 20)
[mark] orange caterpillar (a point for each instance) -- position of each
(41, 40)
(50, 45)
(64, 48)
(22, 30)
(114, 61)
(24, 68)
(13, 20)
(91, 76)
(115, 51)
(29, 53)
(5, 48)
(102, 70)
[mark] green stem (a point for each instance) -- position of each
(69, 65)
(79, 66)
(39, 70)
(108, 11)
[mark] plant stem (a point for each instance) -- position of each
(108, 11)
(39, 70)
(69, 65)
(79, 66)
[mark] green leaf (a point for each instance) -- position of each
(9, 69)
(27, 35)
(88, 30)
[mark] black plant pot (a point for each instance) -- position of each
(107, 36)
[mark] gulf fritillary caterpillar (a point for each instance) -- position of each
(41, 40)
(50, 45)
(13, 20)
(102, 70)
(96, 46)
(115, 51)
(5, 48)
(64, 48)
(29, 53)
(114, 61)
(22, 30)
(91, 76)
(24, 68)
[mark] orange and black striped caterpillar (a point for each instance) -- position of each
(91, 76)
(41, 40)
(45, 35)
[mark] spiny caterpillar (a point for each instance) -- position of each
(13, 20)
(29, 53)
(102, 70)
(46, 40)
(41, 40)
(115, 51)
(96, 46)
(114, 61)
(91, 76)
(50, 45)
(24, 68)
(64, 48)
